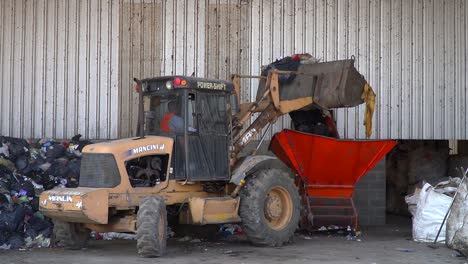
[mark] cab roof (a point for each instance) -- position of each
(159, 84)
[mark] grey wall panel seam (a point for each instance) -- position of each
(77, 74)
(33, 72)
(98, 76)
(120, 72)
(87, 71)
(66, 64)
(55, 66)
(2, 63)
(21, 123)
(109, 70)
(12, 56)
(44, 64)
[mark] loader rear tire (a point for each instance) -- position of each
(152, 227)
(269, 208)
(70, 235)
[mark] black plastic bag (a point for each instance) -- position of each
(11, 221)
(15, 240)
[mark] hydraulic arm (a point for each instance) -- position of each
(321, 86)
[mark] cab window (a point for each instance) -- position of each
(212, 109)
(163, 113)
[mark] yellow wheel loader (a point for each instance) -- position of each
(185, 163)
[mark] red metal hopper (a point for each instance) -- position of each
(329, 168)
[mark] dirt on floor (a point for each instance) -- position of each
(389, 244)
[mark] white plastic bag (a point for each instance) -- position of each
(431, 209)
(458, 213)
(412, 201)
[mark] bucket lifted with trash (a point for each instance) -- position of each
(328, 168)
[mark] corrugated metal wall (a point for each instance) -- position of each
(413, 52)
(208, 38)
(59, 68)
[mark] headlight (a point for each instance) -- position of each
(169, 85)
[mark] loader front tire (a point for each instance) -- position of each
(269, 208)
(152, 227)
(70, 235)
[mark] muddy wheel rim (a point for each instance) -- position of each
(278, 208)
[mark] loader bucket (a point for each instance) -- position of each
(329, 169)
(332, 84)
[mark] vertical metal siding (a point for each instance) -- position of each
(207, 38)
(413, 52)
(142, 41)
(58, 68)
(66, 67)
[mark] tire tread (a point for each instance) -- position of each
(252, 207)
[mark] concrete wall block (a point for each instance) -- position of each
(369, 196)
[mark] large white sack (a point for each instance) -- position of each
(459, 210)
(431, 209)
(459, 241)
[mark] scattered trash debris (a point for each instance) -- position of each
(404, 249)
(5, 246)
(350, 237)
(322, 229)
(227, 230)
(115, 235)
(457, 254)
(26, 169)
(184, 239)
(170, 233)
(40, 241)
(353, 235)
(333, 230)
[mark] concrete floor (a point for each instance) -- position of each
(389, 244)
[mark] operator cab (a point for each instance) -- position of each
(195, 112)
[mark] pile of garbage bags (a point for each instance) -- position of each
(27, 167)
